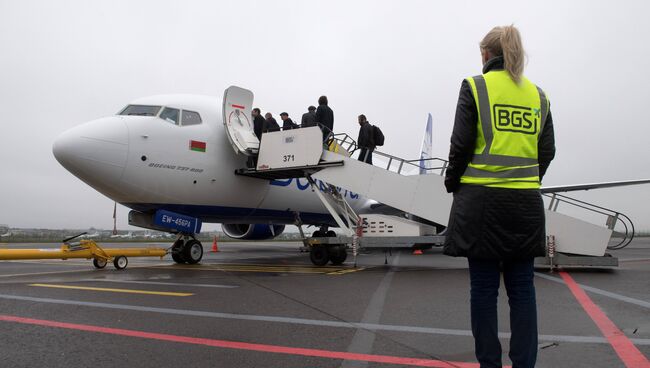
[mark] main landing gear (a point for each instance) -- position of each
(320, 254)
(187, 249)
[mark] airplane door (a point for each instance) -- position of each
(237, 106)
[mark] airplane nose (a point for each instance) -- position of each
(95, 152)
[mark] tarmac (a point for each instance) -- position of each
(262, 304)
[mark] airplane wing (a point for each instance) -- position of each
(571, 188)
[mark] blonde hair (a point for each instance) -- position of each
(506, 41)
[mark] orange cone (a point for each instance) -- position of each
(417, 252)
(214, 245)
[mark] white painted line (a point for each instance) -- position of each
(90, 269)
(609, 294)
(162, 283)
(363, 340)
(307, 322)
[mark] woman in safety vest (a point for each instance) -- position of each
(501, 146)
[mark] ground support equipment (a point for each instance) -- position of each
(84, 249)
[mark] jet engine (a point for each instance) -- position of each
(252, 231)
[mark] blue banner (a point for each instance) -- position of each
(175, 221)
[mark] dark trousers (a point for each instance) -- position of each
(365, 155)
(518, 279)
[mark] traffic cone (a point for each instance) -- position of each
(417, 252)
(214, 245)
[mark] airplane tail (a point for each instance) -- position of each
(427, 147)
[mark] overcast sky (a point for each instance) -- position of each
(63, 63)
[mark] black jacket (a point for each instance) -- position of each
(486, 222)
(289, 124)
(366, 137)
(325, 117)
(308, 119)
(258, 124)
(270, 125)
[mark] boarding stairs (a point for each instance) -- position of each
(397, 183)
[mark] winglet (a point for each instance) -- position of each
(427, 147)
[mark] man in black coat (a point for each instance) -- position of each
(366, 140)
(287, 123)
(258, 122)
(309, 118)
(270, 124)
(325, 117)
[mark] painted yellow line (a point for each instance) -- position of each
(129, 291)
(269, 269)
(259, 270)
(349, 270)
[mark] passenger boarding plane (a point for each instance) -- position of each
(170, 159)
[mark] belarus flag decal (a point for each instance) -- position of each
(197, 146)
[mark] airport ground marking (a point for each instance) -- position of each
(238, 345)
(111, 290)
(39, 273)
(609, 294)
(269, 268)
(216, 286)
(625, 349)
(304, 321)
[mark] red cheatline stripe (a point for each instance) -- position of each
(244, 346)
(629, 354)
(238, 106)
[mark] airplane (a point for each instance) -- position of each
(92, 236)
(171, 158)
(128, 235)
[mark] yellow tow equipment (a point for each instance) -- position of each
(87, 249)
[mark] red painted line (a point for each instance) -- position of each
(238, 106)
(629, 354)
(243, 345)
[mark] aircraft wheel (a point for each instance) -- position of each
(99, 263)
(193, 252)
(319, 255)
(338, 254)
(177, 252)
(120, 262)
(318, 234)
(330, 234)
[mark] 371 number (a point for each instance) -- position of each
(287, 158)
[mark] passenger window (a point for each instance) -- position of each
(190, 118)
(170, 115)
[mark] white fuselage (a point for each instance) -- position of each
(147, 163)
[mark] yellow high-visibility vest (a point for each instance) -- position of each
(511, 118)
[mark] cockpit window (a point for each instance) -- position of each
(141, 110)
(170, 115)
(190, 118)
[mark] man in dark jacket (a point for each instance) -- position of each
(366, 140)
(325, 118)
(309, 118)
(270, 124)
(258, 122)
(287, 123)
(497, 216)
